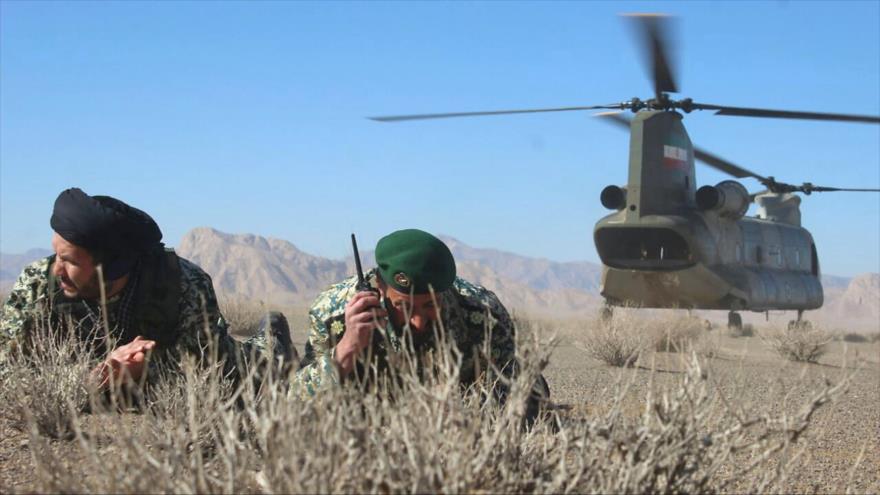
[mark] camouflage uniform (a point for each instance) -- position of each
(28, 307)
(469, 313)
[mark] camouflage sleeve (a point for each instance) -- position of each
(503, 340)
(22, 309)
(485, 314)
(326, 326)
(503, 346)
(200, 321)
(320, 371)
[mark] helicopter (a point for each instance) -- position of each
(669, 244)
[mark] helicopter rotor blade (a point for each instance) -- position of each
(655, 29)
(812, 189)
(713, 161)
(426, 116)
(785, 114)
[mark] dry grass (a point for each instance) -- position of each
(45, 388)
(676, 334)
(243, 317)
(622, 339)
(615, 342)
(797, 343)
(196, 434)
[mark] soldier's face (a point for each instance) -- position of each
(420, 309)
(75, 269)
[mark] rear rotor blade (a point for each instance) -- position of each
(426, 116)
(655, 31)
(786, 114)
(702, 155)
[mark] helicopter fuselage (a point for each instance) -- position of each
(706, 262)
(665, 249)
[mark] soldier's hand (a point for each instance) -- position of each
(126, 362)
(363, 314)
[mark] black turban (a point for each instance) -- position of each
(115, 233)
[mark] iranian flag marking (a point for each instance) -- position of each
(674, 156)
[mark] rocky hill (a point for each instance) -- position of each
(257, 268)
(859, 303)
(251, 267)
(536, 273)
(276, 271)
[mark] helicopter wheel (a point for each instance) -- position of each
(734, 320)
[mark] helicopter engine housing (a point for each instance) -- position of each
(613, 197)
(728, 198)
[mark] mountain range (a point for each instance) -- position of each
(275, 271)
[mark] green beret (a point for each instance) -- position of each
(410, 260)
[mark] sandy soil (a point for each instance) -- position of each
(752, 376)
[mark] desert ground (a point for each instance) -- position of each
(838, 450)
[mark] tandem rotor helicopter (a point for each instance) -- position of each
(669, 244)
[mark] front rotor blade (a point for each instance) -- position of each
(655, 30)
(426, 116)
(834, 189)
(702, 155)
(786, 114)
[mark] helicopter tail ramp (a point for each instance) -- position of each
(701, 287)
(694, 287)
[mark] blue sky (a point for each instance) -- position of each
(249, 117)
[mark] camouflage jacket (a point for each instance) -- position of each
(29, 307)
(469, 313)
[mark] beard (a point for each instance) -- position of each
(91, 289)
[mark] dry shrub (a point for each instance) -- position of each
(708, 346)
(615, 341)
(677, 334)
(797, 343)
(420, 435)
(243, 317)
(45, 386)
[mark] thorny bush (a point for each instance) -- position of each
(196, 434)
(795, 343)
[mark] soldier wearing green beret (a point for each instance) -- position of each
(410, 265)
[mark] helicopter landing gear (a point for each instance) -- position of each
(734, 321)
(800, 323)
